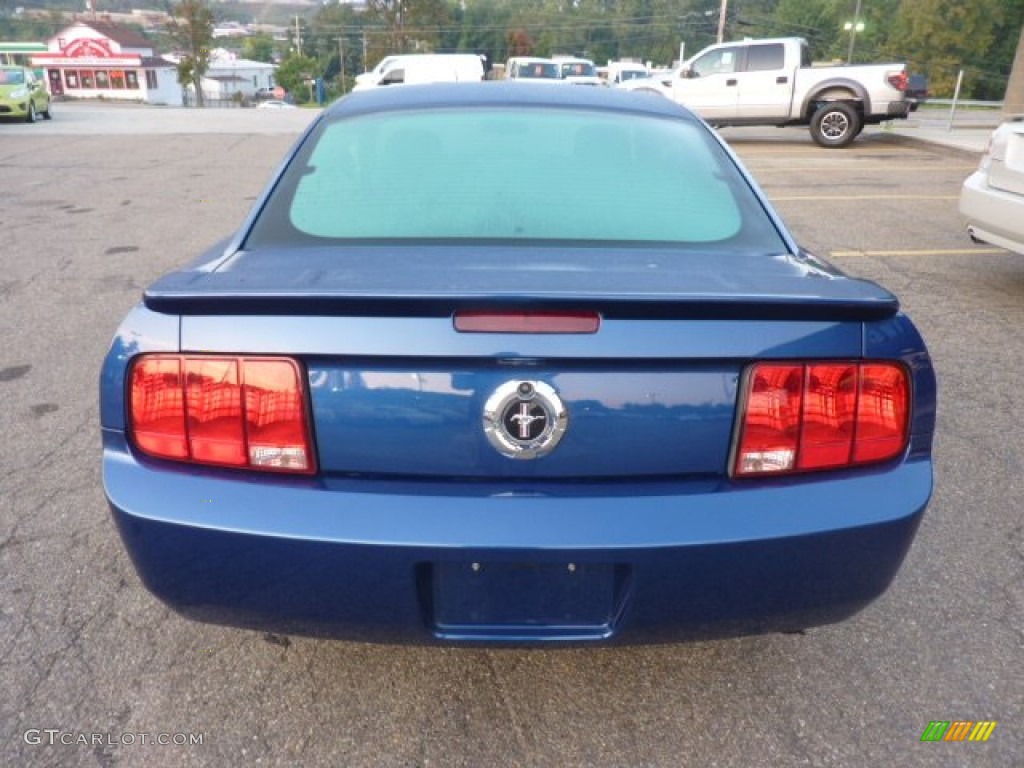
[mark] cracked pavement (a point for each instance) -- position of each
(91, 215)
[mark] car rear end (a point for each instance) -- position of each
(326, 431)
(992, 198)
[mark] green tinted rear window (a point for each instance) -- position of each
(541, 174)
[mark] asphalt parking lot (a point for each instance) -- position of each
(94, 671)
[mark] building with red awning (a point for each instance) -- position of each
(101, 60)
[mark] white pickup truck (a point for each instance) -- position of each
(772, 82)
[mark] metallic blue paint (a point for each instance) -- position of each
(429, 337)
(376, 419)
(692, 282)
(416, 530)
(898, 339)
(354, 558)
(141, 331)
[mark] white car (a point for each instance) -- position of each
(622, 71)
(577, 71)
(992, 198)
(275, 104)
(533, 69)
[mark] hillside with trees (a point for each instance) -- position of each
(935, 37)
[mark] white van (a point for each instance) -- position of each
(621, 71)
(422, 68)
(533, 69)
(577, 71)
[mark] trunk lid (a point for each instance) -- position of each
(396, 390)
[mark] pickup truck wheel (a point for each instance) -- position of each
(835, 125)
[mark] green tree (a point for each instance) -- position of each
(259, 48)
(994, 69)
(404, 26)
(483, 27)
(815, 20)
(940, 37)
(294, 75)
(191, 29)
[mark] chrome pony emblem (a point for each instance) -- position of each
(524, 419)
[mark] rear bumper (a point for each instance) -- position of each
(426, 564)
(891, 110)
(992, 216)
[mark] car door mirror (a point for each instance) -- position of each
(686, 73)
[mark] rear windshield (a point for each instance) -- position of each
(504, 174)
(578, 69)
(541, 69)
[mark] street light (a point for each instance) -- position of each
(853, 27)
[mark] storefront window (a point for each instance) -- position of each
(117, 80)
(87, 81)
(71, 78)
(150, 79)
(102, 79)
(132, 78)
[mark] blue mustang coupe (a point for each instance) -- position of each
(504, 363)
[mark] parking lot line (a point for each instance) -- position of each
(965, 251)
(865, 168)
(805, 198)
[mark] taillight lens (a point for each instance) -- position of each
(898, 80)
(798, 417)
(247, 412)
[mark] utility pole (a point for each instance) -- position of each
(298, 37)
(1013, 101)
(721, 21)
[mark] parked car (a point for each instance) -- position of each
(577, 71)
(275, 104)
(532, 68)
(621, 71)
(23, 95)
(992, 198)
(773, 82)
(420, 68)
(417, 398)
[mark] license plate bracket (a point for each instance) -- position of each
(523, 599)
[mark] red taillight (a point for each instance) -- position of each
(157, 407)
(490, 321)
(247, 412)
(799, 417)
(897, 80)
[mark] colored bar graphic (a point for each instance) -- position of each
(958, 730)
(982, 730)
